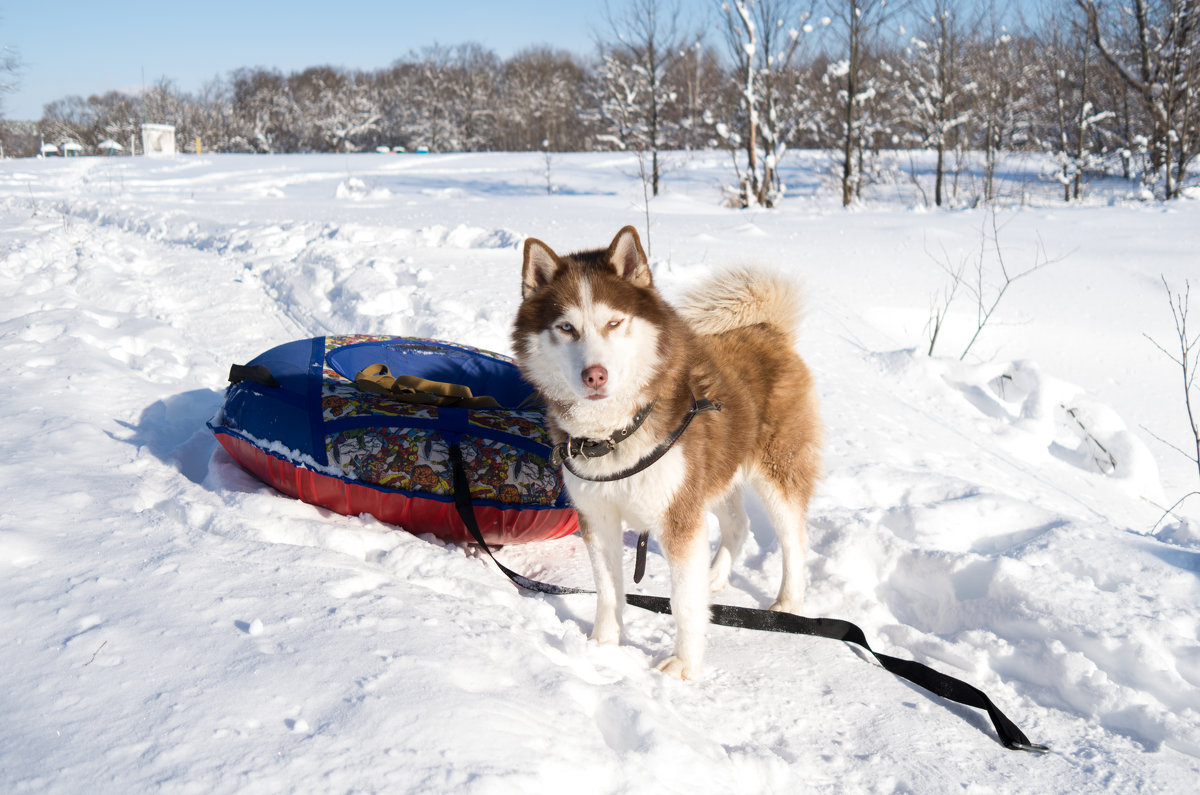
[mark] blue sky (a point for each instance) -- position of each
(91, 47)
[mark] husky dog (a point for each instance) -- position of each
(627, 380)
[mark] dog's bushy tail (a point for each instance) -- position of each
(744, 296)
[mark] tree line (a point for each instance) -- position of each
(1104, 86)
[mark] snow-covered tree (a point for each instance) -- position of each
(265, 111)
(210, 116)
(163, 103)
(763, 40)
(1003, 68)
(700, 85)
(645, 47)
(542, 98)
(452, 96)
(860, 27)
(336, 111)
(935, 84)
(1154, 45)
(68, 119)
(1072, 111)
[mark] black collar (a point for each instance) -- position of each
(590, 448)
(595, 448)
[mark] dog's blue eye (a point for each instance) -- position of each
(566, 328)
(614, 323)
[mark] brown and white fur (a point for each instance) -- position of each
(599, 342)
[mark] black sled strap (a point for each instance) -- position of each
(770, 621)
(258, 373)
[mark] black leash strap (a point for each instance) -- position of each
(466, 512)
(770, 621)
(639, 563)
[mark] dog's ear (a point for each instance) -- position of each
(539, 267)
(628, 259)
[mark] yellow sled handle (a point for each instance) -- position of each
(411, 389)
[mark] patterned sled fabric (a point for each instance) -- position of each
(379, 443)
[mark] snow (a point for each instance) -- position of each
(170, 623)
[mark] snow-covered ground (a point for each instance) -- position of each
(170, 623)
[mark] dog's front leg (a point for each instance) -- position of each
(602, 535)
(687, 555)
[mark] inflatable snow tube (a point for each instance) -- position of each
(298, 421)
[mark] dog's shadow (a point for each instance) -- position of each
(760, 545)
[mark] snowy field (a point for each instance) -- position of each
(171, 624)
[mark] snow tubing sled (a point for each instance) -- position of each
(316, 419)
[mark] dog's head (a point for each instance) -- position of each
(589, 324)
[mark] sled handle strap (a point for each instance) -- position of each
(412, 389)
(258, 373)
(769, 621)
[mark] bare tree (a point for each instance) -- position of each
(70, 118)
(1188, 360)
(987, 298)
(1155, 47)
(117, 118)
(939, 305)
(986, 287)
(647, 45)
(699, 81)
(211, 114)
(10, 68)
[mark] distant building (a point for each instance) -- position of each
(158, 139)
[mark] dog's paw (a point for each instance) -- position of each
(678, 667)
(786, 606)
(718, 575)
(606, 637)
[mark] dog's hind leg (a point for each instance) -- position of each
(789, 517)
(735, 525)
(603, 539)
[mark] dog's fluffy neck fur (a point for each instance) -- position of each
(670, 391)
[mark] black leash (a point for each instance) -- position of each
(767, 620)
